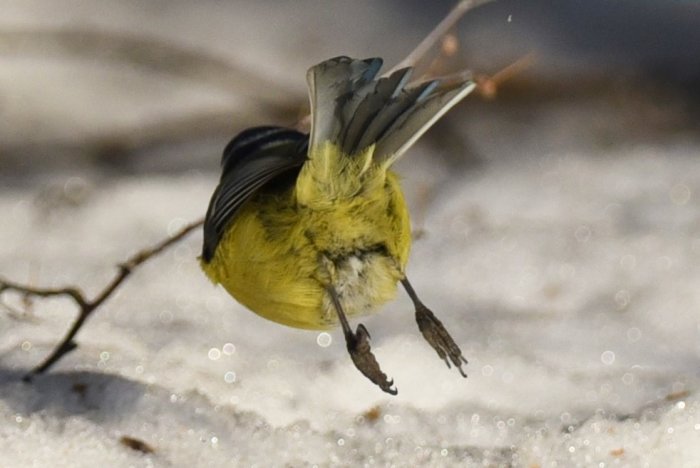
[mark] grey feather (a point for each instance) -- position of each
(416, 120)
(392, 110)
(333, 88)
(373, 106)
(353, 109)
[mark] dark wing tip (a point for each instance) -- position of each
(253, 159)
(211, 238)
(207, 252)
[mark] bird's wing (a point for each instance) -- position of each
(252, 160)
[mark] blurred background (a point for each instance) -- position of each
(161, 85)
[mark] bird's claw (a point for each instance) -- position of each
(437, 336)
(361, 354)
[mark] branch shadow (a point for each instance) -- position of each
(97, 396)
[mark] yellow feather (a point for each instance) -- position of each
(344, 224)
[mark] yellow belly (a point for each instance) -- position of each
(279, 259)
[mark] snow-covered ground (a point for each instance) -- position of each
(569, 277)
(558, 243)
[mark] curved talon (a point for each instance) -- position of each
(360, 350)
(464, 374)
(388, 389)
(364, 360)
(362, 329)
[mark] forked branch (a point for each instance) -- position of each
(87, 306)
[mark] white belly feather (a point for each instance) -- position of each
(362, 282)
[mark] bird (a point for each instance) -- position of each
(312, 230)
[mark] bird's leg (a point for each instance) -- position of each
(359, 349)
(434, 332)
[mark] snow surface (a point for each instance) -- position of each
(564, 263)
(568, 277)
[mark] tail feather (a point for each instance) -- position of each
(353, 110)
(392, 111)
(336, 88)
(416, 120)
(374, 105)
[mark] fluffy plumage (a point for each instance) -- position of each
(295, 217)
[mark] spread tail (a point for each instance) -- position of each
(354, 110)
(361, 124)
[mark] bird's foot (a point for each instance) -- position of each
(361, 354)
(434, 333)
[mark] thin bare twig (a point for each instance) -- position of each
(488, 86)
(86, 306)
(426, 45)
(437, 34)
